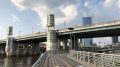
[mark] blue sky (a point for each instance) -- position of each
(28, 15)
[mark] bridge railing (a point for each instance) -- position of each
(97, 59)
(2, 41)
(31, 35)
(115, 22)
(40, 62)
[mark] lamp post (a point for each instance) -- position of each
(64, 24)
(71, 36)
(19, 33)
(32, 30)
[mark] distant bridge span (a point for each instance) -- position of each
(88, 31)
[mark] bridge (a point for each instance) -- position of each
(96, 30)
(53, 57)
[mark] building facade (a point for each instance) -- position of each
(87, 42)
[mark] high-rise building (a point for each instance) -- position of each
(87, 20)
(87, 42)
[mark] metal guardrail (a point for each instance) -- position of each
(97, 59)
(31, 35)
(103, 24)
(40, 62)
(3, 41)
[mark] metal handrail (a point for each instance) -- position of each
(40, 61)
(97, 59)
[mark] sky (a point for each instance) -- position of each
(27, 16)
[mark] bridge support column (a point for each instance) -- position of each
(52, 42)
(63, 44)
(37, 48)
(9, 43)
(58, 42)
(51, 35)
(75, 45)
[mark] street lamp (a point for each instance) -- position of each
(19, 33)
(71, 36)
(64, 24)
(32, 30)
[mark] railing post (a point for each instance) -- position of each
(88, 57)
(83, 56)
(102, 56)
(76, 55)
(112, 58)
(80, 55)
(94, 59)
(113, 61)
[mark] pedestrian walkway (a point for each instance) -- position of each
(60, 60)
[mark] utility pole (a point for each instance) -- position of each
(19, 33)
(32, 30)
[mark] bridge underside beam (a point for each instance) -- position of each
(91, 34)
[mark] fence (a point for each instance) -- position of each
(40, 62)
(97, 59)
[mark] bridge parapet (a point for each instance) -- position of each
(103, 24)
(32, 35)
(3, 41)
(96, 59)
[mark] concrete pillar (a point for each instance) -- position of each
(58, 42)
(37, 49)
(69, 44)
(52, 42)
(51, 35)
(76, 44)
(114, 39)
(72, 43)
(63, 45)
(9, 62)
(64, 42)
(9, 43)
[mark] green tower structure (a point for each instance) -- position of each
(9, 49)
(51, 34)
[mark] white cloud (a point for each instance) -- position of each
(104, 10)
(15, 18)
(1, 28)
(44, 7)
(108, 3)
(118, 4)
(109, 9)
(18, 4)
(70, 12)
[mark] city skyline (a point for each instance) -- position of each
(27, 16)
